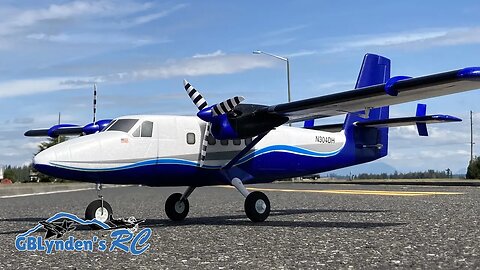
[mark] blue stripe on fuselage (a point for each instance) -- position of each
(266, 165)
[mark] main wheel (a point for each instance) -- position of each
(95, 210)
(175, 209)
(257, 206)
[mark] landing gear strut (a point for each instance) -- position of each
(99, 209)
(177, 206)
(257, 205)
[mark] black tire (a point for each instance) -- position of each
(93, 211)
(175, 209)
(257, 206)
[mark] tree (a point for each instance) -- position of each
(17, 174)
(473, 170)
(9, 173)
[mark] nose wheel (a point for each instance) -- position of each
(99, 209)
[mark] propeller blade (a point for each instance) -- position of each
(196, 97)
(94, 103)
(227, 105)
(203, 151)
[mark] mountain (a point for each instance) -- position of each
(375, 167)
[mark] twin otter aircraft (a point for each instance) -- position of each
(237, 144)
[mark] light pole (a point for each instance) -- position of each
(288, 68)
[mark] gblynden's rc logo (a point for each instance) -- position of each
(124, 236)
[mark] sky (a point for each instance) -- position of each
(138, 53)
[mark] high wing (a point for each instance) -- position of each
(69, 129)
(44, 132)
(397, 90)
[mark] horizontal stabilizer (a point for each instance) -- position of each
(393, 122)
(409, 121)
(327, 128)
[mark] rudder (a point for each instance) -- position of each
(371, 143)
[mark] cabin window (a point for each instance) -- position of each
(191, 138)
(237, 142)
(145, 130)
(123, 125)
(248, 141)
(211, 140)
(224, 142)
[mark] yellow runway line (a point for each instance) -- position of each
(357, 191)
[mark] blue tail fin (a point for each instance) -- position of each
(372, 143)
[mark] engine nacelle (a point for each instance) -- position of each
(245, 121)
(52, 132)
(97, 127)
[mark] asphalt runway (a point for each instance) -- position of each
(310, 226)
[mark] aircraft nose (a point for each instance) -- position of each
(44, 157)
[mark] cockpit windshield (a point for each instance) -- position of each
(122, 125)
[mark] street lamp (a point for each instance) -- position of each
(288, 68)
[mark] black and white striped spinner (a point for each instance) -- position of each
(196, 97)
(227, 105)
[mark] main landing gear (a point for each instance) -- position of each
(177, 206)
(99, 209)
(257, 205)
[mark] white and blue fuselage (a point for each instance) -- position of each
(165, 151)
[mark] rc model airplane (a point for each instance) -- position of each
(237, 144)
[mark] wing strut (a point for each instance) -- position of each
(244, 151)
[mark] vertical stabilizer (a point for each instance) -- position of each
(371, 143)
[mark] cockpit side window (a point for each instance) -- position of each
(123, 125)
(109, 125)
(145, 130)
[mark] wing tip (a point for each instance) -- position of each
(446, 118)
(470, 73)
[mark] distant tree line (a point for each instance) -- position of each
(430, 174)
(473, 170)
(17, 173)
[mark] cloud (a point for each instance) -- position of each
(71, 16)
(277, 41)
(35, 86)
(287, 30)
(195, 66)
(222, 64)
(26, 18)
(214, 54)
(157, 15)
(91, 38)
(411, 40)
(302, 53)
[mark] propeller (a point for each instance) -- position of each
(209, 114)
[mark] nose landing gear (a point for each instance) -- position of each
(99, 209)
